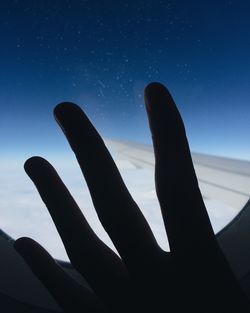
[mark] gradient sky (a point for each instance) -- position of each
(101, 54)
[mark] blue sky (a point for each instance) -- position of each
(101, 54)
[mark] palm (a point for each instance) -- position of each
(193, 276)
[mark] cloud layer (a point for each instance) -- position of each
(22, 212)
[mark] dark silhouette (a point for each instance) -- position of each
(193, 277)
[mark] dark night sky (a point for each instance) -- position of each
(101, 54)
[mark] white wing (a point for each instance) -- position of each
(226, 180)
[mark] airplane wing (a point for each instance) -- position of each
(222, 180)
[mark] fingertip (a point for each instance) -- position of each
(23, 244)
(155, 94)
(65, 109)
(27, 246)
(21, 240)
(62, 106)
(154, 85)
(32, 164)
(33, 254)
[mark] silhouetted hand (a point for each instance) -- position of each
(193, 277)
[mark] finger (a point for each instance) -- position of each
(117, 211)
(100, 266)
(184, 213)
(69, 295)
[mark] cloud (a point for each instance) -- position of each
(22, 212)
